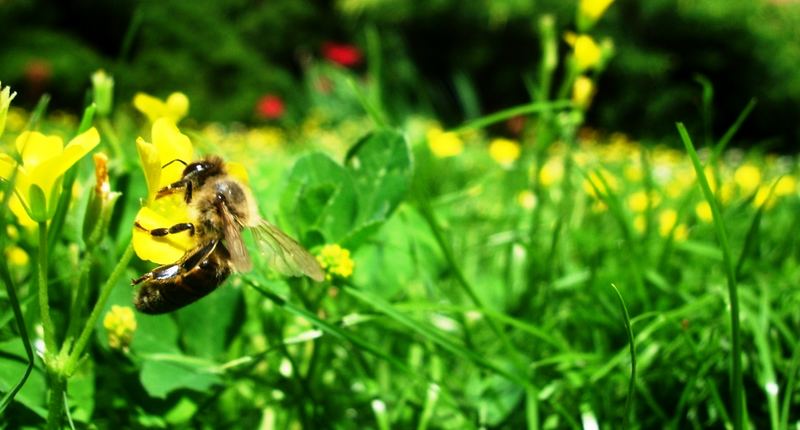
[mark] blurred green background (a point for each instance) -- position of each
(450, 59)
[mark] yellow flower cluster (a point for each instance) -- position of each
(504, 151)
(336, 261)
(444, 144)
(120, 324)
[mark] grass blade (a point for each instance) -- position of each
(737, 387)
(632, 383)
(505, 114)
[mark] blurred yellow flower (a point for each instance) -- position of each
(786, 185)
(667, 220)
(587, 52)
(552, 172)
(336, 261)
(633, 172)
(120, 323)
(504, 151)
(747, 177)
(638, 201)
(5, 102)
(16, 256)
(765, 197)
(444, 144)
(582, 92)
(37, 185)
(703, 211)
(173, 109)
(526, 199)
(593, 9)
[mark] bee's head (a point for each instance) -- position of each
(201, 170)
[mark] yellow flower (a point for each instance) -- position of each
(747, 177)
(764, 196)
(174, 109)
(336, 261)
(667, 220)
(703, 211)
(639, 201)
(5, 101)
(444, 144)
(37, 183)
(786, 185)
(582, 92)
(551, 173)
(120, 323)
(168, 144)
(504, 151)
(526, 199)
(587, 52)
(592, 10)
(17, 256)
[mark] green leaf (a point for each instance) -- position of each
(320, 195)
(155, 334)
(161, 377)
(12, 365)
(205, 325)
(81, 392)
(381, 167)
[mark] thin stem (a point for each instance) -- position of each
(113, 140)
(55, 403)
(80, 345)
(44, 302)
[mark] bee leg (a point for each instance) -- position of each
(178, 160)
(163, 231)
(142, 278)
(176, 187)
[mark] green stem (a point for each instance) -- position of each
(55, 407)
(113, 140)
(83, 339)
(76, 310)
(44, 302)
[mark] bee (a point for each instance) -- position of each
(221, 208)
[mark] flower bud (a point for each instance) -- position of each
(5, 101)
(103, 89)
(101, 203)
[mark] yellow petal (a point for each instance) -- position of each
(177, 106)
(171, 145)
(164, 212)
(36, 147)
(7, 165)
(238, 171)
(47, 173)
(152, 107)
(22, 182)
(151, 164)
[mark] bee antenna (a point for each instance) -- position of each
(178, 160)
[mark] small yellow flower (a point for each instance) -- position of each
(504, 151)
(526, 199)
(17, 256)
(551, 173)
(5, 102)
(45, 159)
(174, 109)
(120, 324)
(582, 92)
(765, 197)
(444, 144)
(703, 211)
(667, 220)
(587, 52)
(787, 185)
(593, 9)
(336, 261)
(639, 201)
(748, 178)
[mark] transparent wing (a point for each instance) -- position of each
(232, 232)
(284, 254)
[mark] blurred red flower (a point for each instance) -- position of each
(342, 54)
(270, 106)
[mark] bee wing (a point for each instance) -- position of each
(286, 255)
(232, 232)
